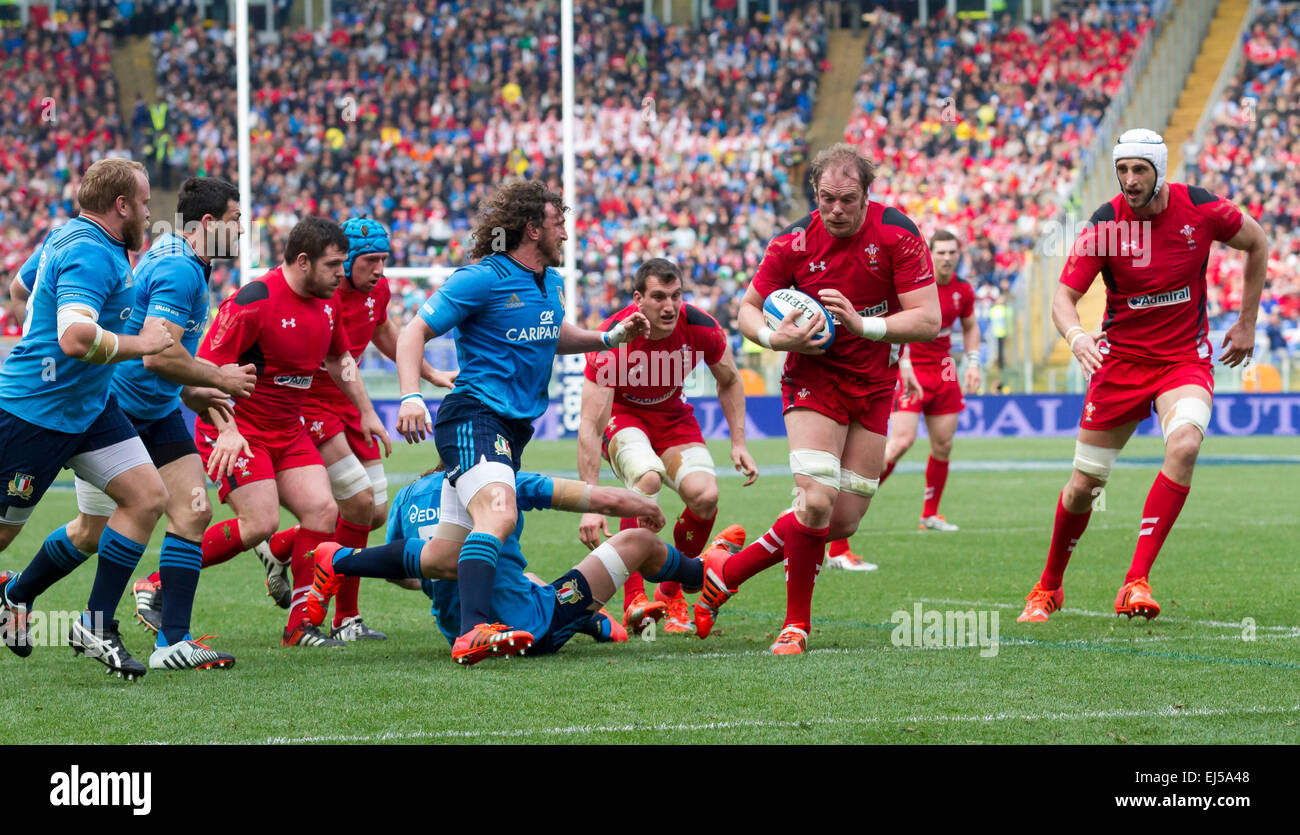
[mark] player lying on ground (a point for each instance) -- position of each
(634, 396)
(870, 268)
(56, 409)
(264, 457)
(1151, 244)
(552, 612)
(508, 313)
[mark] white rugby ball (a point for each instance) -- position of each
(782, 302)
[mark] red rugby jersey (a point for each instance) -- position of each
(648, 374)
(956, 302)
(357, 315)
(885, 258)
(286, 336)
(1154, 272)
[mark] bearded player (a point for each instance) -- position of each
(351, 458)
(1151, 244)
(869, 266)
(651, 437)
(264, 457)
(928, 385)
(508, 312)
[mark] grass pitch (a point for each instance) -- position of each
(1218, 666)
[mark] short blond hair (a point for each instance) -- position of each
(839, 156)
(107, 180)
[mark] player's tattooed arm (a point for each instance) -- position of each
(385, 339)
(343, 371)
(1239, 342)
(597, 403)
(179, 365)
(731, 397)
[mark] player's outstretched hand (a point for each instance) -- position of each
(1238, 344)
(373, 427)
(226, 452)
(590, 529)
(238, 380)
(637, 325)
(414, 420)
(745, 465)
(204, 399)
(800, 340)
(155, 338)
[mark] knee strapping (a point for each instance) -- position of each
(822, 467)
(347, 477)
(1188, 411)
(851, 482)
(631, 456)
(1094, 461)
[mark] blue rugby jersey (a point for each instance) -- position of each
(86, 266)
(172, 284)
(508, 321)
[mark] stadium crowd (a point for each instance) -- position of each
(1251, 155)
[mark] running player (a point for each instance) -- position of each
(351, 458)
(870, 268)
(56, 409)
(652, 437)
(264, 457)
(172, 289)
(551, 612)
(1151, 244)
(508, 310)
(928, 385)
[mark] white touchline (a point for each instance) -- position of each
(1167, 712)
(1194, 621)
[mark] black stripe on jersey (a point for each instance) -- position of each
(802, 223)
(1200, 196)
(893, 217)
(254, 355)
(1105, 214)
(499, 269)
(1109, 278)
(698, 318)
(253, 291)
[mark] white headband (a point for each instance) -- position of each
(1141, 143)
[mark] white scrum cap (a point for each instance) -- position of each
(1141, 143)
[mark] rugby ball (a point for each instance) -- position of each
(782, 302)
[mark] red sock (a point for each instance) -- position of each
(805, 548)
(349, 535)
(1065, 535)
(889, 468)
(838, 546)
(1164, 503)
(221, 542)
(690, 535)
(635, 583)
(936, 476)
(282, 543)
(303, 568)
(763, 553)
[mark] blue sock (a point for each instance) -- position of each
(118, 557)
(680, 568)
(476, 574)
(178, 569)
(57, 559)
(396, 560)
